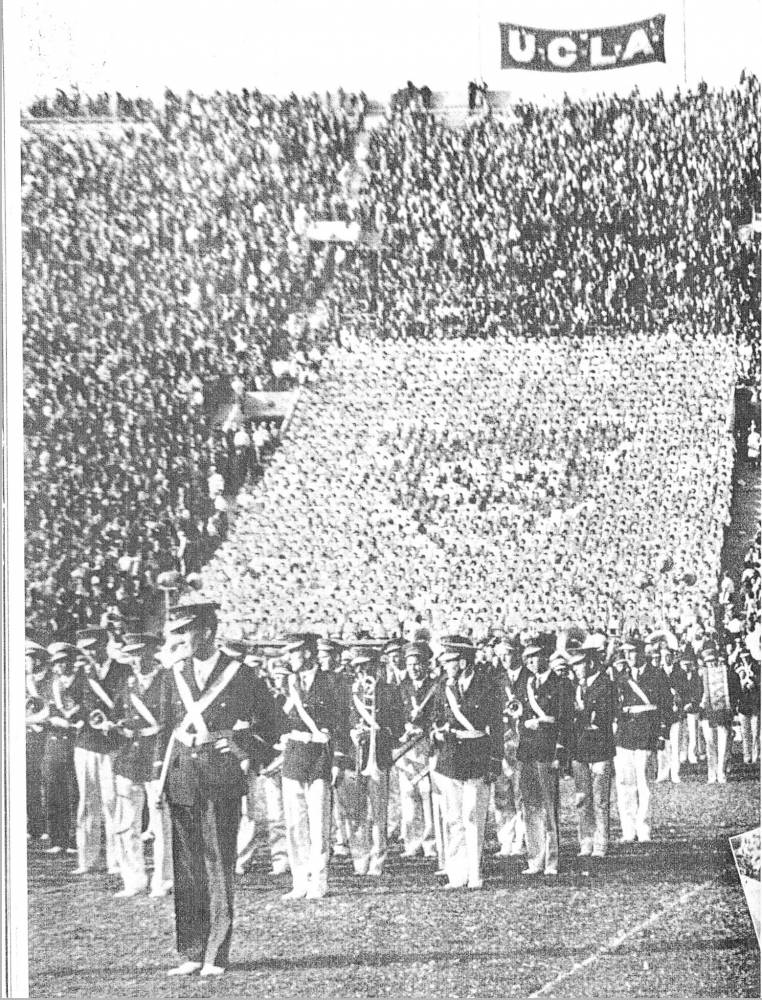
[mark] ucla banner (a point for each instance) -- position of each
(580, 51)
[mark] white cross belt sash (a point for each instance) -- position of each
(535, 705)
(646, 705)
(194, 709)
(417, 709)
(304, 715)
(142, 709)
(469, 731)
(97, 689)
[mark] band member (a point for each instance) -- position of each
(592, 746)
(747, 685)
(395, 671)
(714, 712)
(376, 723)
(544, 733)
(135, 780)
(643, 700)
(268, 781)
(37, 711)
(669, 757)
(64, 723)
(469, 755)
(510, 677)
(417, 692)
(103, 680)
(694, 687)
(211, 715)
(318, 715)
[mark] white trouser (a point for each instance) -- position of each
(130, 797)
(669, 757)
(592, 796)
(366, 804)
(269, 786)
(632, 793)
(716, 739)
(750, 737)
(465, 814)
(689, 739)
(393, 813)
(509, 810)
(440, 827)
(539, 792)
(97, 799)
(340, 830)
(416, 808)
(307, 811)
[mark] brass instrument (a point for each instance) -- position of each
(37, 710)
(514, 709)
(97, 719)
(366, 690)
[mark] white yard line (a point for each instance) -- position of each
(614, 942)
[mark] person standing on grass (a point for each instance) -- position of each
(213, 719)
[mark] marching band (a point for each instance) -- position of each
(453, 736)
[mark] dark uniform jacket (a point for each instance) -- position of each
(70, 713)
(113, 685)
(641, 730)
(390, 716)
(243, 711)
(677, 682)
(327, 703)
(694, 687)
(594, 705)
(134, 759)
(470, 757)
(550, 740)
(412, 700)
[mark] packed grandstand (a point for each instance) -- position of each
(516, 405)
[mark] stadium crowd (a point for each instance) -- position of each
(617, 213)
(157, 263)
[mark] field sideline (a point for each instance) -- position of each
(666, 918)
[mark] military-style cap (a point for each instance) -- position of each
(540, 644)
(575, 657)
(595, 642)
(662, 636)
(417, 651)
(184, 616)
(708, 650)
(62, 653)
(455, 647)
(89, 637)
(392, 647)
(136, 642)
(632, 642)
(687, 655)
(294, 641)
(327, 645)
(365, 655)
